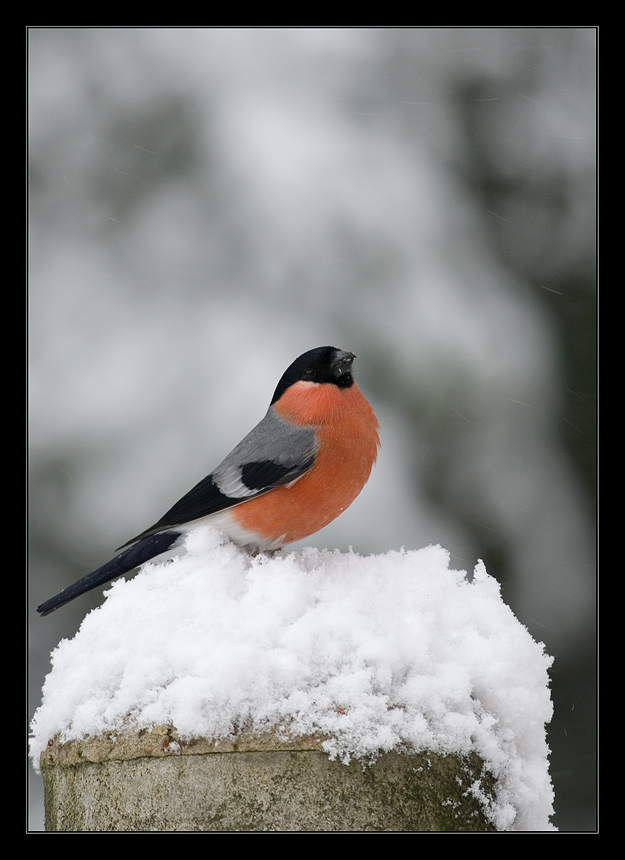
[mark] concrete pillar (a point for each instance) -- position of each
(152, 781)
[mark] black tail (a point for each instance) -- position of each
(138, 553)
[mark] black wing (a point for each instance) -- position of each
(274, 453)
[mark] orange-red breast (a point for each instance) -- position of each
(295, 472)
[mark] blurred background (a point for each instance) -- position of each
(207, 204)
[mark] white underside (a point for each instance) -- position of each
(241, 537)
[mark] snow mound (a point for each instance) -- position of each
(375, 653)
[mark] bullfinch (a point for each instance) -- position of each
(295, 472)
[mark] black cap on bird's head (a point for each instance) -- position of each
(324, 364)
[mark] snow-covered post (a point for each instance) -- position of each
(307, 691)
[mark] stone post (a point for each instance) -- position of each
(153, 781)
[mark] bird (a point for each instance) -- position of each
(301, 466)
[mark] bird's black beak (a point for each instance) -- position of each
(342, 363)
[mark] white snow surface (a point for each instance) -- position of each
(378, 653)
